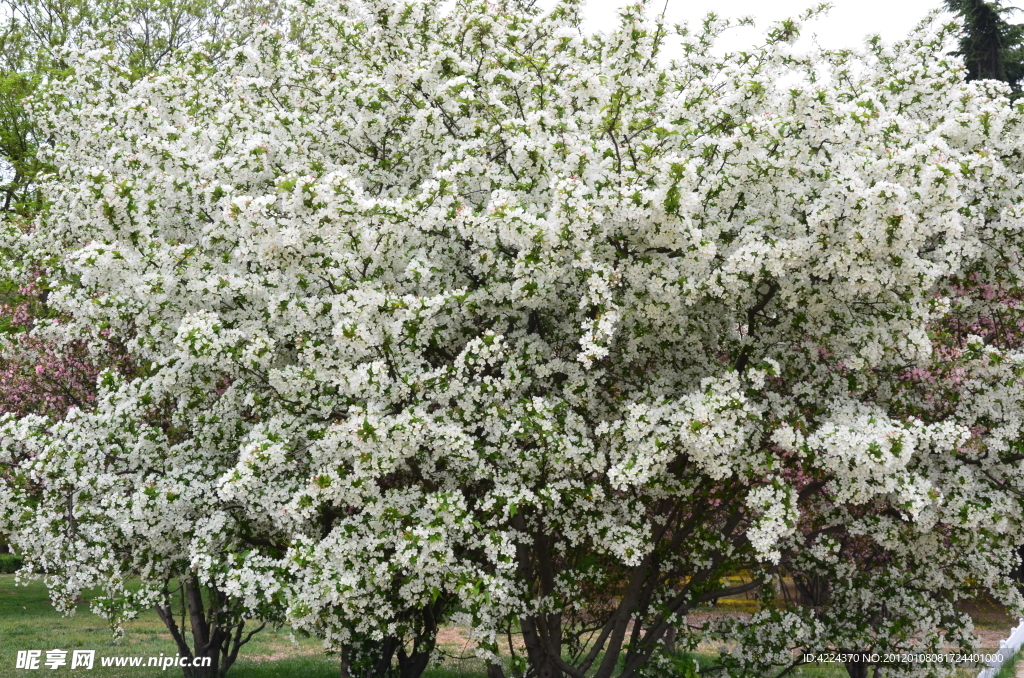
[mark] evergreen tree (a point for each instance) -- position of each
(993, 48)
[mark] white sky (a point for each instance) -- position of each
(847, 24)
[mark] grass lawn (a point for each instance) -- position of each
(29, 622)
(1009, 669)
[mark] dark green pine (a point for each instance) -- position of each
(992, 47)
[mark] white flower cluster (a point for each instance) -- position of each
(777, 515)
(438, 309)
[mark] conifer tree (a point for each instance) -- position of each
(991, 45)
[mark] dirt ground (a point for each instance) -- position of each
(991, 623)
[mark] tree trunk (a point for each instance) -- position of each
(670, 640)
(412, 665)
(344, 662)
(382, 666)
(813, 589)
(857, 669)
(217, 634)
(204, 643)
(537, 654)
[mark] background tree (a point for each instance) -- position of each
(991, 46)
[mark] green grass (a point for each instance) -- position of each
(29, 622)
(319, 667)
(1009, 668)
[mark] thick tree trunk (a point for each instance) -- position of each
(204, 643)
(537, 654)
(367, 658)
(344, 669)
(215, 642)
(857, 669)
(382, 666)
(412, 665)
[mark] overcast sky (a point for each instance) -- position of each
(845, 26)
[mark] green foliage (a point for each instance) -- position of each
(18, 145)
(145, 34)
(8, 296)
(993, 48)
(9, 563)
(1009, 667)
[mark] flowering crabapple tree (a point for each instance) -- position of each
(45, 370)
(464, 314)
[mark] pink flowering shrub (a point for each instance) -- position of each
(41, 372)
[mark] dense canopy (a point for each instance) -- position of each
(461, 314)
